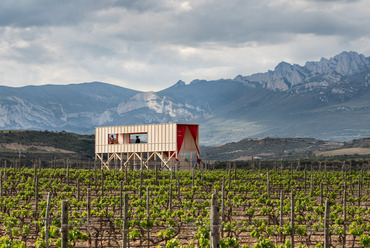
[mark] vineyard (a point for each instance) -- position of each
(284, 205)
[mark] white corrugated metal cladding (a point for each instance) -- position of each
(159, 137)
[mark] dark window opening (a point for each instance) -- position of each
(136, 138)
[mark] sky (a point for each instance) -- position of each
(149, 45)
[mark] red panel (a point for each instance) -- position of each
(180, 136)
(194, 133)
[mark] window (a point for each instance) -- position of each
(125, 138)
(112, 138)
(138, 138)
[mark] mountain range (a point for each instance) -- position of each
(327, 99)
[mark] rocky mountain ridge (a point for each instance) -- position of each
(325, 73)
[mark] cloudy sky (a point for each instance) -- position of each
(151, 44)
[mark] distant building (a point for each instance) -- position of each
(168, 145)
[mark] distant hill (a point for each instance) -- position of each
(327, 100)
(45, 144)
(286, 148)
(268, 149)
(358, 143)
(60, 145)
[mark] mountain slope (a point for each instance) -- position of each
(327, 99)
(75, 107)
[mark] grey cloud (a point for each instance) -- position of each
(34, 54)
(138, 41)
(243, 23)
(81, 49)
(222, 21)
(142, 5)
(233, 22)
(24, 13)
(334, 1)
